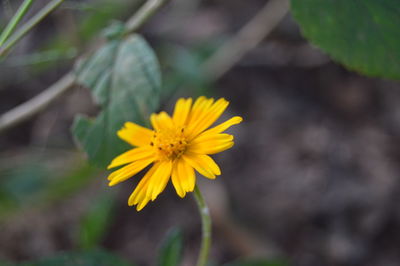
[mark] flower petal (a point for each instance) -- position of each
(159, 179)
(201, 105)
(161, 121)
(135, 135)
(204, 164)
(128, 171)
(132, 155)
(211, 144)
(223, 126)
(176, 182)
(138, 196)
(181, 111)
(206, 118)
(187, 176)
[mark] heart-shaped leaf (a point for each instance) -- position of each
(125, 81)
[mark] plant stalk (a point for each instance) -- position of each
(206, 227)
(29, 25)
(15, 20)
(143, 14)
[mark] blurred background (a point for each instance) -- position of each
(313, 177)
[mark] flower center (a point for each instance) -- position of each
(169, 144)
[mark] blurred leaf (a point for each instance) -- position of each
(6, 263)
(95, 222)
(171, 249)
(40, 57)
(100, 13)
(70, 182)
(89, 258)
(183, 69)
(259, 262)
(362, 34)
(28, 183)
(20, 184)
(125, 80)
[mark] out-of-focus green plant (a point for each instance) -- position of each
(259, 262)
(125, 80)
(364, 35)
(15, 20)
(12, 39)
(88, 258)
(36, 182)
(95, 222)
(170, 253)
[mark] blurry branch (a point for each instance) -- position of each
(15, 20)
(39, 102)
(29, 25)
(247, 39)
(36, 104)
(143, 14)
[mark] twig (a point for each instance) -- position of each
(39, 102)
(36, 104)
(247, 39)
(143, 14)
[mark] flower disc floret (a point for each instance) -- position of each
(169, 144)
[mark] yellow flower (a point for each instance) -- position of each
(176, 146)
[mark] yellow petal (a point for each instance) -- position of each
(200, 105)
(161, 121)
(186, 175)
(176, 182)
(159, 179)
(223, 126)
(142, 204)
(138, 196)
(204, 164)
(132, 155)
(128, 171)
(208, 148)
(206, 118)
(135, 135)
(211, 144)
(181, 112)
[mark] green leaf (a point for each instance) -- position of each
(125, 80)
(171, 249)
(88, 258)
(95, 222)
(6, 263)
(259, 262)
(364, 35)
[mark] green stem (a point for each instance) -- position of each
(206, 227)
(15, 20)
(29, 25)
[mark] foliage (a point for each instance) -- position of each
(362, 34)
(258, 262)
(34, 181)
(88, 258)
(95, 222)
(171, 249)
(125, 81)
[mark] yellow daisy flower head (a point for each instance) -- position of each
(175, 147)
